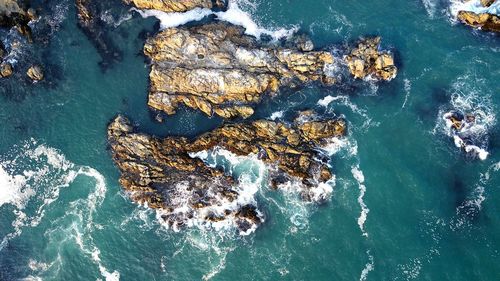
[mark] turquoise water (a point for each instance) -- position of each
(431, 211)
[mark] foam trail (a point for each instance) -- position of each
(473, 6)
(368, 267)
(233, 15)
(407, 91)
(430, 7)
(360, 178)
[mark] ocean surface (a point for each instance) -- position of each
(407, 203)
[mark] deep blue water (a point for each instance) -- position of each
(431, 210)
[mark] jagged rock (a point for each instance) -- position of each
(365, 60)
(35, 72)
(484, 21)
(92, 25)
(12, 13)
(174, 5)
(217, 69)
(487, 3)
(164, 173)
(6, 69)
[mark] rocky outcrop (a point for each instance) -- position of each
(483, 21)
(166, 175)
(6, 69)
(14, 14)
(219, 70)
(175, 5)
(90, 22)
(366, 60)
(35, 73)
(487, 3)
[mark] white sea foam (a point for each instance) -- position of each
(33, 178)
(250, 172)
(344, 100)
(234, 15)
(430, 7)
(473, 6)
(360, 178)
(276, 115)
(368, 267)
(469, 99)
(407, 91)
(168, 20)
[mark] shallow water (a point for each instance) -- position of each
(407, 204)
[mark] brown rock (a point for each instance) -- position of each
(217, 69)
(35, 72)
(487, 3)
(484, 21)
(164, 174)
(365, 60)
(13, 14)
(174, 5)
(6, 69)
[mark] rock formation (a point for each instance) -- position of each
(35, 73)
(484, 21)
(169, 6)
(217, 69)
(6, 69)
(365, 60)
(487, 3)
(165, 174)
(90, 22)
(13, 13)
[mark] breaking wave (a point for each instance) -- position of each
(469, 117)
(234, 15)
(31, 178)
(473, 6)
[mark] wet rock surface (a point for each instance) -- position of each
(483, 21)
(13, 13)
(367, 60)
(166, 175)
(219, 70)
(175, 5)
(35, 73)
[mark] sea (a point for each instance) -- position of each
(412, 199)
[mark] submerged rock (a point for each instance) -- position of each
(483, 21)
(92, 25)
(175, 5)
(365, 60)
(166, 175)
(35, 72)
(218, 69)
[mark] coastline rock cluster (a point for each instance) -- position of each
(484, 21)
(164, 174)
(219, 70)
(14, 13)
(366, 60)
